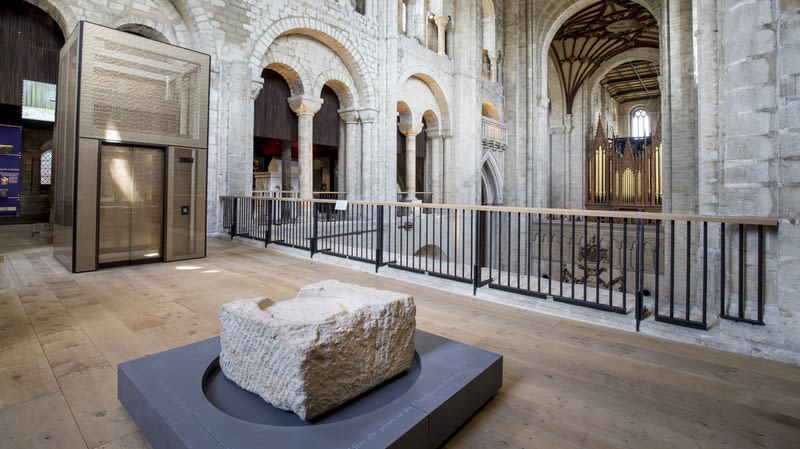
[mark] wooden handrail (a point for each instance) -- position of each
(649, 216)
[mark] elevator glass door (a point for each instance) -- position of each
(131, 205)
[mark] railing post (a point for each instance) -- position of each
(268, 237)
(315, 231)
(235, 217)
(639, 272)
(476, 249)
(379, 238)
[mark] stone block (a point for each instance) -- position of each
(750, 72)
(310, 354)
(747, 147)
(749, 124)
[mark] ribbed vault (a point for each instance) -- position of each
(594, 35)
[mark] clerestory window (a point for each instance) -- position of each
(640, 123)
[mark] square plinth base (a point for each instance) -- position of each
(181, 400)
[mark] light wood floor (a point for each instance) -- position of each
(566, 384)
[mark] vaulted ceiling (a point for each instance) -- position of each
(598, 33)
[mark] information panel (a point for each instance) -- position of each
(10, 163)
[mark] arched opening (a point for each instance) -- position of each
(144, 31)
(640, 123)
(30, 40)
(326, 144)
(275, 166)
(598, 45)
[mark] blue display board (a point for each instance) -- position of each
(10, 164)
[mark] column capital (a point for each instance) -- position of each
(350, 116)
(410, 130)
(544, 102)
(368, 115)
(441, 21)
(255, 87)
(440, 134)
(305, 105)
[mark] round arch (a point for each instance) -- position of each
(341, 83)
(488, 110)
(558, 16)
(60, 12)
(141, 29)
(435, 86)
(289, 74)
(340, 44)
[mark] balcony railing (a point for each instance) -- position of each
(678, 269)
(494, 130)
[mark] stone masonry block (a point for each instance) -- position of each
(749, 124)
(748, 147)
(310, 354)
(751, 72)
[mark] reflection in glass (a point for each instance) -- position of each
(131, 204)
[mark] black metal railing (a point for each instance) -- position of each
(673, 267)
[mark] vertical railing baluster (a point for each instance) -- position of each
(539, 257)
(611, 262)
(574, 257)
(688, 269)
(379, 236)
(722, 271)
(550, 254)
(268, 238)
(597, 262)
(561, 254)
(741, 270)
(705, 269)
(584, 247)
(519, 240)
(477, 225)
(657, 257)
(672, 269)
(639, 272)
(528, 252)
(234, 217)
(625, 264)
(760, 275)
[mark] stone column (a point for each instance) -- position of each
(441, 28)
(410, 19)
(447, 174)
(437, 172)
(305, 107)
(411, 132)
(341, 158)
(352, 150)
(239, 94)
(492, 66)
(369, 158)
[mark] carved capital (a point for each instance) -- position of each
(255, 87)
(368, 115)
(304, 105)
(441, 21)
(410, 130)
(350, 116)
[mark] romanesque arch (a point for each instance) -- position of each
(337, 42)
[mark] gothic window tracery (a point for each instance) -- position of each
(640, 123)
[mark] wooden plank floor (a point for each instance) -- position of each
(566, 384)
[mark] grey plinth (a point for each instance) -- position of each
(312, 353)
(181, 400)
